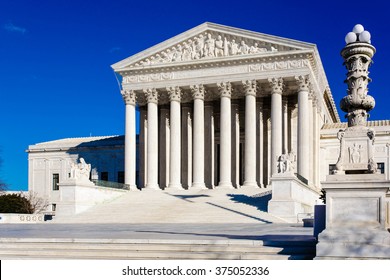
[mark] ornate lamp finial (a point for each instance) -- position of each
(356, 142)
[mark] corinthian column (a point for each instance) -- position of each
(175, 138)
(225, 160)
(250, 133)
(276, 122)
(130, 139)
(303, 126)
(198, 144)
(152, 151)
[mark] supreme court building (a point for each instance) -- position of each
(219, 106)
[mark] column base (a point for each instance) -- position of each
(132, 187)
(176, 186)
(199, 186)
(151, 187)
(225, 185)
(250, 184)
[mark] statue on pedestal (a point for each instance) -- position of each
(80, 171)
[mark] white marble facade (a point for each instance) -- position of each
(50, 163)
(220, 105)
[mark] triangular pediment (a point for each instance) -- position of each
(210, 41)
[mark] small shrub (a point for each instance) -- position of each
(15, 203)
(323, 196)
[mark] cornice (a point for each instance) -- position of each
(218, 62)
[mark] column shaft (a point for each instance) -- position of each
(198, 145)
(225, 162)
(175, 146)
(303, 128)
(276, 130)
(152, 151)
(209, 145)
(260, 144)
(130, 139)
(276, 122)
(250, 141)
(130, 147)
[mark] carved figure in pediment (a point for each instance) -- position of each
(254, 49)
(187, 52)
(233, 47)
(199, 47)
(219, 47)
(209, 46)
(165, 56)
(244, 48)
(177, 53)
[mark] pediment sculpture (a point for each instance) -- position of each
(207, 45)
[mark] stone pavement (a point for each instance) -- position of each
(175, 231)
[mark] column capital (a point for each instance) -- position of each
(151, 95)
(198, 91)
(250, 87)
(303, 82)
(129, 96)
(276, 85)
(174, 93)
(225, 89)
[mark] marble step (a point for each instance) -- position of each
(25, 249)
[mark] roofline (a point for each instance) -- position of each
(213, 27)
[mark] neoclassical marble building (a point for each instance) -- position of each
(219, 106)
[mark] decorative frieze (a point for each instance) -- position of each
(279, 65)
(216, 69)
(225, 89)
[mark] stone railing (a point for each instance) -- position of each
(112, 185)
(22, 218)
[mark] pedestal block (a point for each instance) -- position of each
(78, 196)
(356, 218)
(291, 197)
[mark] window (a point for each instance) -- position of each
(381, 167)
(121, 177)
(331, 168)
(104, 176)
(56, 180)
(53, 207)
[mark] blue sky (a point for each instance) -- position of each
(55, 57)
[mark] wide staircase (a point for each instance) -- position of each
(139, 249)
(181, 206)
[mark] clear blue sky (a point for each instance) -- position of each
(55, 57)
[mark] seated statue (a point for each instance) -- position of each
(80, 171)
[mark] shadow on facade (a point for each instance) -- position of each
(105, 155)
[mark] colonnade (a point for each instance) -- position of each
(201, 135)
